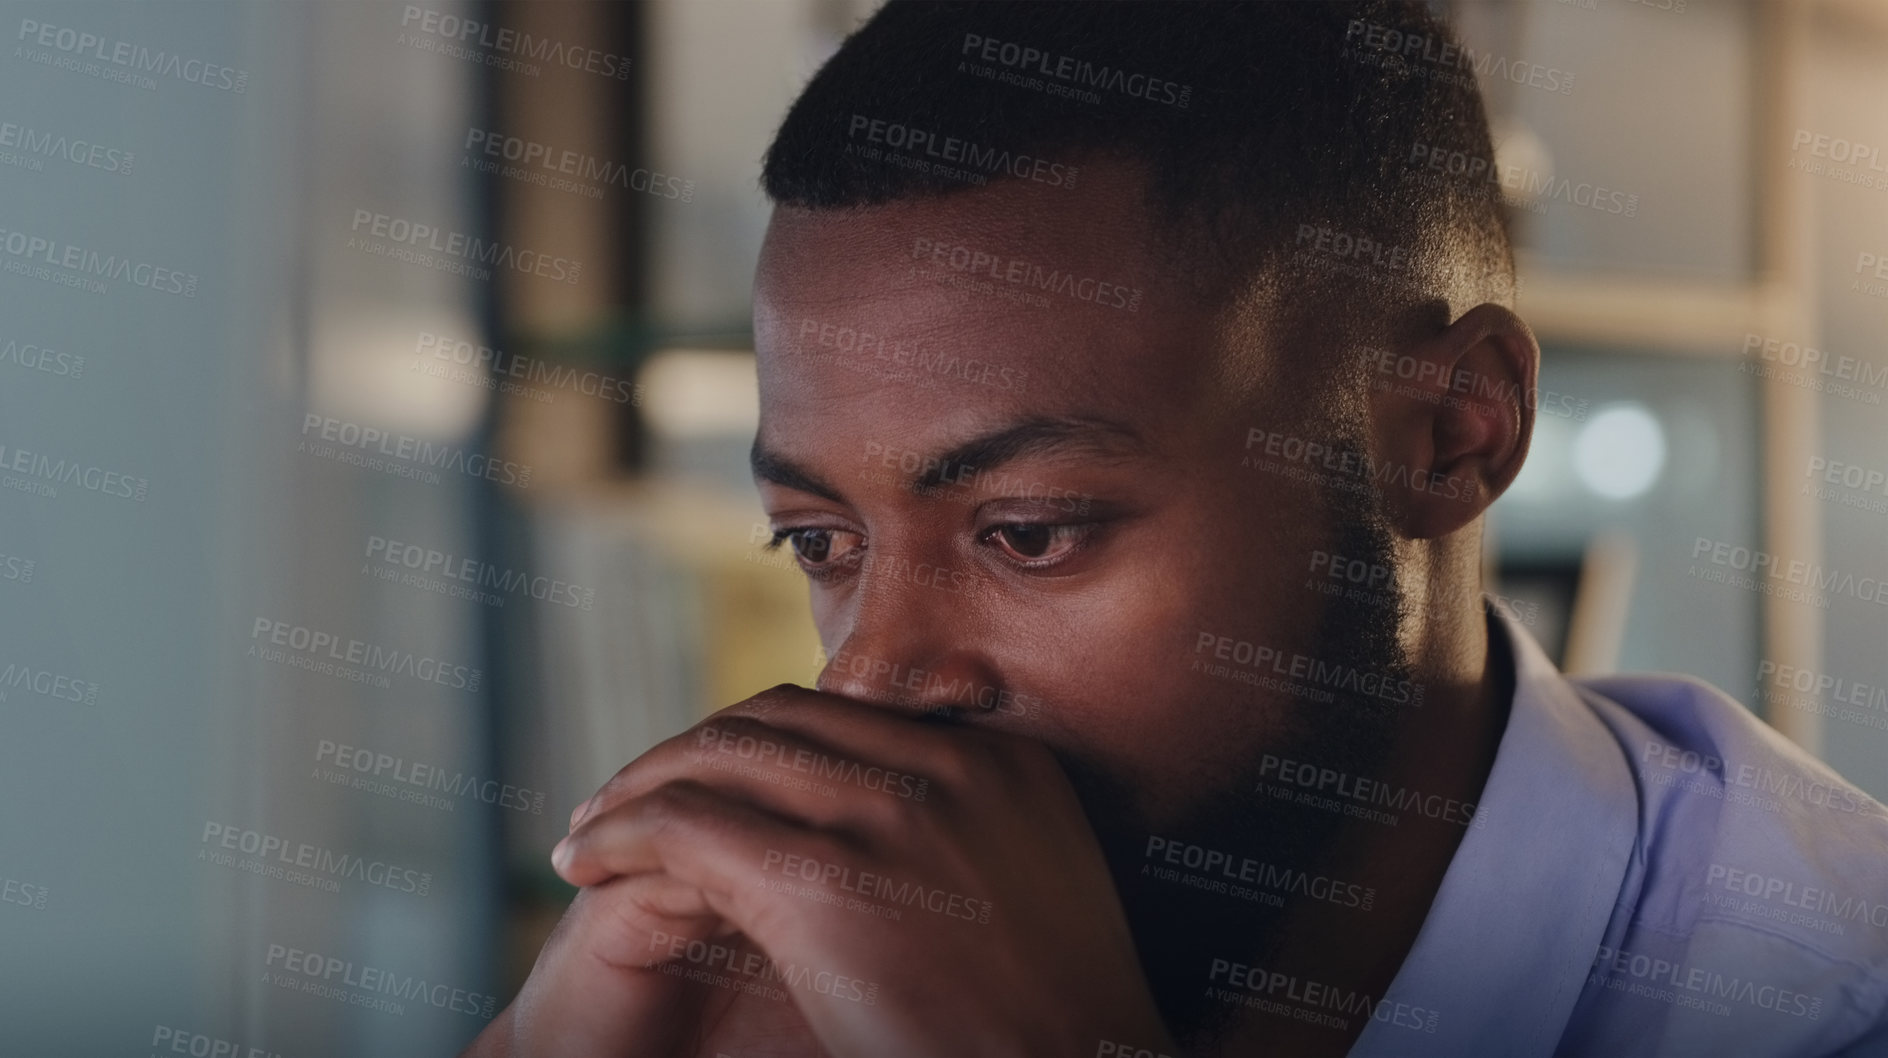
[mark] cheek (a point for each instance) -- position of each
(828, 615)
(1119, 686)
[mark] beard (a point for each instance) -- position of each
(1178, 930)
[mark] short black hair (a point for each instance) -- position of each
(1251, 119)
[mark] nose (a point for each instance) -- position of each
(909, 642)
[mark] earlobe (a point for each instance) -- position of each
(1463, 420)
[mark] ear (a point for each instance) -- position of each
(1452, 416)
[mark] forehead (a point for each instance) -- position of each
(1003, 302)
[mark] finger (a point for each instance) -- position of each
(908, 742)
(680, 824)
(783, 771)
(567, 999)
(706, 839)
(699, 837)
(935, 760)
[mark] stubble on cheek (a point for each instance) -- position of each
(1180, 929)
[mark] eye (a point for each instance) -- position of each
(819, 550)
(1035, 545)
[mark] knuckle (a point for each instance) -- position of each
(883, 813)
(675, 805)
(726, 727)
(677, 797)
(780, 694)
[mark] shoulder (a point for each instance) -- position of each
(1759, 885)
(1687, 741)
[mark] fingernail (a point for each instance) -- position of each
(560, 855)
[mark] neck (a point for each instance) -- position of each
(1444, 752)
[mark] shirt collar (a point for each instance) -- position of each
(1505, 951)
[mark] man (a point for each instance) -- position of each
(1164, 715)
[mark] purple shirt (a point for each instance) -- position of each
(1654, 871)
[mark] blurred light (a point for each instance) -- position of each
(699, 393)
(1620, 452)
(364, 365)
(1518, 149)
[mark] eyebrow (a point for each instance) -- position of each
(1105, 438)
(771, 466)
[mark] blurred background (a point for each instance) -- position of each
(375, 387)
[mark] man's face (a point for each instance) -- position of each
(1091, 549)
